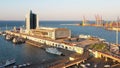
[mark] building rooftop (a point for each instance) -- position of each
(48, 29)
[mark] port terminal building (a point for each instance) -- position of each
(52, 33)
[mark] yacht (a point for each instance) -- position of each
(53, 51)
(8, 62)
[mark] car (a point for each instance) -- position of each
(24, 65)
(20, 66)
(88, 64)
(82, 65)
(14, 66)
(106, 66)
(95, 66)
(28, 64)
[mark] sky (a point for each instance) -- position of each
(60, 9)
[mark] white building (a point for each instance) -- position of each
(31, 21)
(53, 33)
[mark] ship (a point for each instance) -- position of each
(4, 33)
(18, 40)
(0, 32)
(8, 62)
(15, 40)
(9, 37)
(53, 51)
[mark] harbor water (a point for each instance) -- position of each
(110, 36)
(26, 53)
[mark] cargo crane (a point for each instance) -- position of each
(84, 21)
(98, 20)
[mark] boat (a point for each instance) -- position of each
(0, 33)
(22, 40)
(53, 51)
(22, 65)
(4, 34)
(18, 40)
(8, 62)
(9, 37)
(15, 40)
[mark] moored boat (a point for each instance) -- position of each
(8, 62)
(4, 33)
(18, 40)
(9, 37)
(15, 40)
(0, 33)
(53, 51)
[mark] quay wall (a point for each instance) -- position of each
(49, 42)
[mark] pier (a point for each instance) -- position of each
(47, 41)
(78, 47)
(30, 42)
(99, 54)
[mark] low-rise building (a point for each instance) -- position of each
(52, 33)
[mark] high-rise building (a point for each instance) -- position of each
(31, 21)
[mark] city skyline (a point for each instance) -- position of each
(60, 10)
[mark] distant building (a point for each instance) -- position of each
(52, 33)
(31, 21)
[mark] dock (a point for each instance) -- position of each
(30, 42)
(47, 41)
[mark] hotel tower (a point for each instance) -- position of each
(31, 21)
